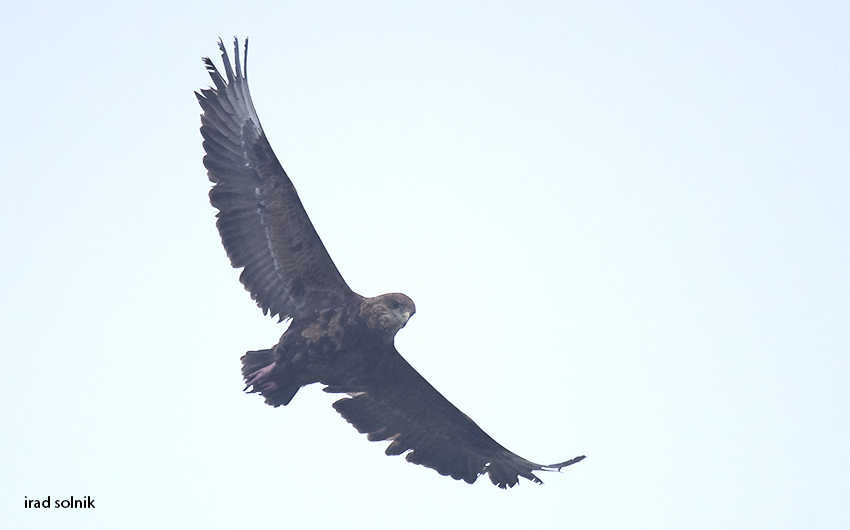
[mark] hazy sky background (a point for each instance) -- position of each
(625, 225)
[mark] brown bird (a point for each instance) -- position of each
(336, 337)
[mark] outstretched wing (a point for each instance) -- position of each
(391, 401)
(262, 223)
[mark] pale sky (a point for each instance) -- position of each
(625, 227)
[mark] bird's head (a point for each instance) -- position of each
(388, 313)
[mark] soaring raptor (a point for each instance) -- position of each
(336, 337)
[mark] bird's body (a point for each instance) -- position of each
(350, 337)
(336, 337)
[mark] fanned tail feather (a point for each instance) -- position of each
(263, 376)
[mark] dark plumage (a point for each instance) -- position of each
(336, 337)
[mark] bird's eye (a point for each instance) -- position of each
(394, 304)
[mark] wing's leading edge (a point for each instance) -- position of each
(390, 400)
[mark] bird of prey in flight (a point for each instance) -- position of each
(336, 337)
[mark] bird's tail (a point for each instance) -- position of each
(264, 375)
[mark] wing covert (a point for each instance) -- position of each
(263, 225)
